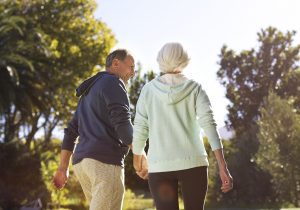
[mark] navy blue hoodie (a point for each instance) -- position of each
(102, 121)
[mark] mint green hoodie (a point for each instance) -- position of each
(171, 116)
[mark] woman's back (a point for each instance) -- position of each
(170, 112)
(167, 113)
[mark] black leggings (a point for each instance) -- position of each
(164, 188)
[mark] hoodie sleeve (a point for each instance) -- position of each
(206, 120)
(70, 134)
(117, 103)
(140, 129)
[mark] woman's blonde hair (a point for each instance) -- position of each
(172, 58)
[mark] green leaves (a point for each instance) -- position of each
(46, 49)
(11, 23)
(249, 75)
(279, 131)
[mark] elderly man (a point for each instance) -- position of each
(102, 122)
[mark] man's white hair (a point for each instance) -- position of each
(172, 58)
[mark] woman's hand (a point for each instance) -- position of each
(227, 182)
(226, 178)
(140, 165)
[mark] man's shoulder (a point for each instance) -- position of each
(110, 77)
(109, 80)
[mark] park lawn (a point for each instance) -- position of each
(139, 202)
(134, 202)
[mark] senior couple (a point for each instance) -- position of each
(170, 112)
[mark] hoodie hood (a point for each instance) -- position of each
(173, 93)
(85, 86)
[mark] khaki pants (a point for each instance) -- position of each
(102, 184)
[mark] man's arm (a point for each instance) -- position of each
(117, 103)
(71, 133)
(62, 173)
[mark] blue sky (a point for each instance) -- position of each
(202, 26)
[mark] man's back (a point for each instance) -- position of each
(103, 123)
(102, 120)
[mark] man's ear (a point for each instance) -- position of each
(115, 63)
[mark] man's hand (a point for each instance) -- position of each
(60, 178)
(227, 182)
(140, 165)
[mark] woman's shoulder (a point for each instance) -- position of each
(192, 80)
(149, 84)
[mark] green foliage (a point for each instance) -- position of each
(20, 178)
(279, 131)
(248, 77)
(27, 175)
(47, 48)
(69, 197)
(134, 202)
(252, 187)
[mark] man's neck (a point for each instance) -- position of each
(110, 71)
(122, 79)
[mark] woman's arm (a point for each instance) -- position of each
(140, 165)
(227, 182)
(220, 158)
(140, 136)
(208, 124)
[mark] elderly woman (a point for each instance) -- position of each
(170, 111)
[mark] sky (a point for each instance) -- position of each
(201, 26)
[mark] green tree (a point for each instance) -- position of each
(279, 131)
(47, 48)
(21, 179)
(248, 77)
(20, 86)
(251, 184)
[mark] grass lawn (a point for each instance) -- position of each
(133, 202)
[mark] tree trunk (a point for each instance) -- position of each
(34, 129)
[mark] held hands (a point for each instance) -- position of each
(60, 178)
(226, 178)
(140, 165)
